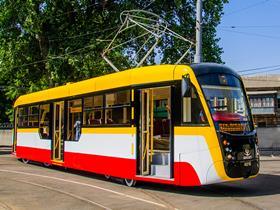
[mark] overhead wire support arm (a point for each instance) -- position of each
(148, 53)
(110, 63)
(143, 45)
(120, 29)
(128, 41)
(145, 23)
(184, 55)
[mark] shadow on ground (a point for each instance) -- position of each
(263, 184)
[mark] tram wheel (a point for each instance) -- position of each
(129, 182)
(108, 177)
(47, 164)
(25, 161)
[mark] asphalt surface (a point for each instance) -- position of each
(32, 186)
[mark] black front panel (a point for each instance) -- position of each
(241, 156)
(237, 169)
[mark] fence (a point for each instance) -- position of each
(6, 136)
(269, 140)
(6, 126)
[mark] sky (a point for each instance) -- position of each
(254, 41)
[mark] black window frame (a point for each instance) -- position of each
(31, 115)
(116, 107)
(50, 121)
(191, 124)
(82, 97)
(66, 122)
(87, 125)
(103, 108)
(18, 117)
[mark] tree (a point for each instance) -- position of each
(45, 43)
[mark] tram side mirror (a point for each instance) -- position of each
(186, 86)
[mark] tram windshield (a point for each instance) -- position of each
(227, 102)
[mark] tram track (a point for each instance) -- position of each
(63, 192)
(86, 185)
(158, 198)
(4, 206)
(258, 194)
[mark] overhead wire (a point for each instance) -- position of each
(246, 8)
(223, 28)
(60, 56)
(55, 57)
(82, 35)
(87, 34)
(248, 26)
(259, 80)
(69, 12)
(261, 72)
(252, 34)
(259, 68)
(148, 4)
(58, 15)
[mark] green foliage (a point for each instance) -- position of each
(45, 43)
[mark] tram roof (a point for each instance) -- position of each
(212, 68)
(126, 78)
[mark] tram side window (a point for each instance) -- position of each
(33, 116)
(93, 111)
(118, 110)
(23, 117)
(44, 121)
(74, 117)
(193, 112)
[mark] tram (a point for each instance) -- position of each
(186, 125)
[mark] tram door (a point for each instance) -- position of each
(155, 132)
(58, 131)
(146, 130)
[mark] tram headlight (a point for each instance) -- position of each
(229, 157)
(225, 142)
(228, 150)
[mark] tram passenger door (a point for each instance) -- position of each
(155, 132)
(146, 131)
(58, 131)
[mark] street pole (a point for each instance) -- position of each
(198, 36)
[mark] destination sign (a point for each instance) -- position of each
(232, 127)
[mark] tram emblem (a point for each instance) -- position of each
(247, 154)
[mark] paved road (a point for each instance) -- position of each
(32, 186)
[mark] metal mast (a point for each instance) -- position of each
(198, 44)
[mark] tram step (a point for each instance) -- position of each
(160, 170)
(160, 158)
